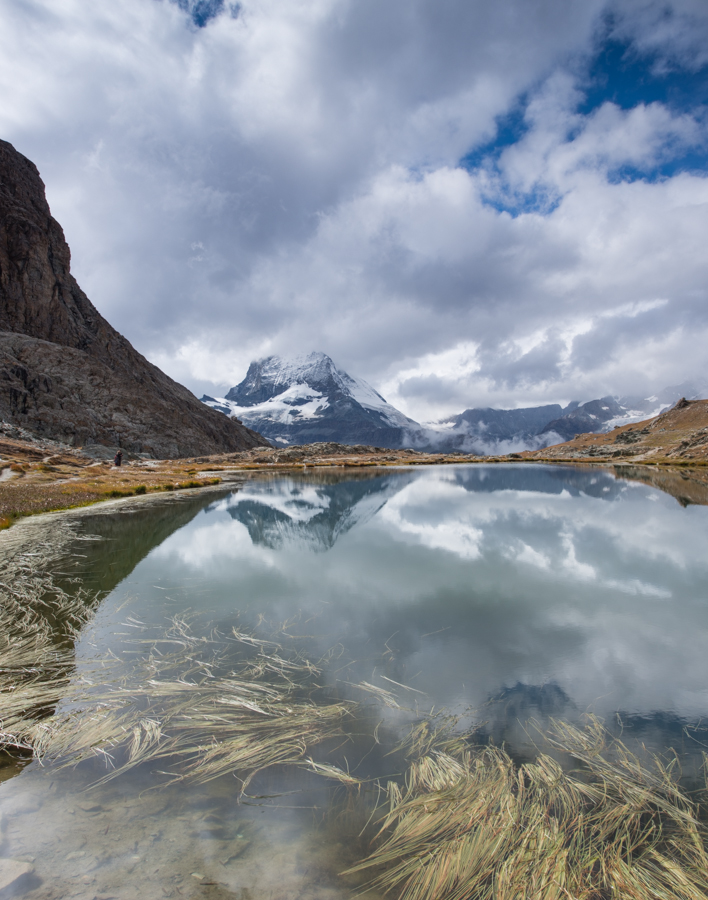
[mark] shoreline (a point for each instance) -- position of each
(171, 481)
(39, 476)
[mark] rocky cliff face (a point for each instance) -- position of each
(65, 373)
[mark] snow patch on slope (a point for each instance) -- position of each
(364, 394)
(299, 401)
(632, 416)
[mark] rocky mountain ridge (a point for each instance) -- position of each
(65, 372)
(308, 399)
(493, 432)
(609, 412)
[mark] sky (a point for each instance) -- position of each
(464, 203)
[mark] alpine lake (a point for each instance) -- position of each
(252, 667)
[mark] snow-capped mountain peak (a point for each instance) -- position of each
(266, 378)
(303, 399)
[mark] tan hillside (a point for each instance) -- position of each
(678, 435)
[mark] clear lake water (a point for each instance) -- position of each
(497, 593)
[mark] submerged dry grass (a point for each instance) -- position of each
(34, 673)
(186, 704)
(203, 706)
(38, 623)
(198, 711)
(471, 824)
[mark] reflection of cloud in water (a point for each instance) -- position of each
(409, 516)
(215, 542)
(466, 582)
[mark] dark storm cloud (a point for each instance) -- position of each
(237, 180)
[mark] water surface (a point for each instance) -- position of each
(497, 592)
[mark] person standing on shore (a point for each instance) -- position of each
(118, 458)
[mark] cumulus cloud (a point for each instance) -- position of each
(277, 177)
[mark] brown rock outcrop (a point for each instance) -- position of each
(65, 372)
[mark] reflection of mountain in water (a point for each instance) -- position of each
(540, 479)
(313, 511)
(686, 485)
(521, 715)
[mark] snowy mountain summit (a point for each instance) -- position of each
(305, 399)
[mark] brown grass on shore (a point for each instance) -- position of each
(35, 492)
(36, 478)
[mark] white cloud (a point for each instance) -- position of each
(677, 31)
(290, 180)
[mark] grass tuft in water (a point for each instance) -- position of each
(471, 824)
(193, 709)
(39, 622)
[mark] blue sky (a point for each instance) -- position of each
(613, 72)
(464, 203)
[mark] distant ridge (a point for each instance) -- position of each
(308, 399)
(492, 431)
(679, 434)
(597, 416)
(65, 373)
